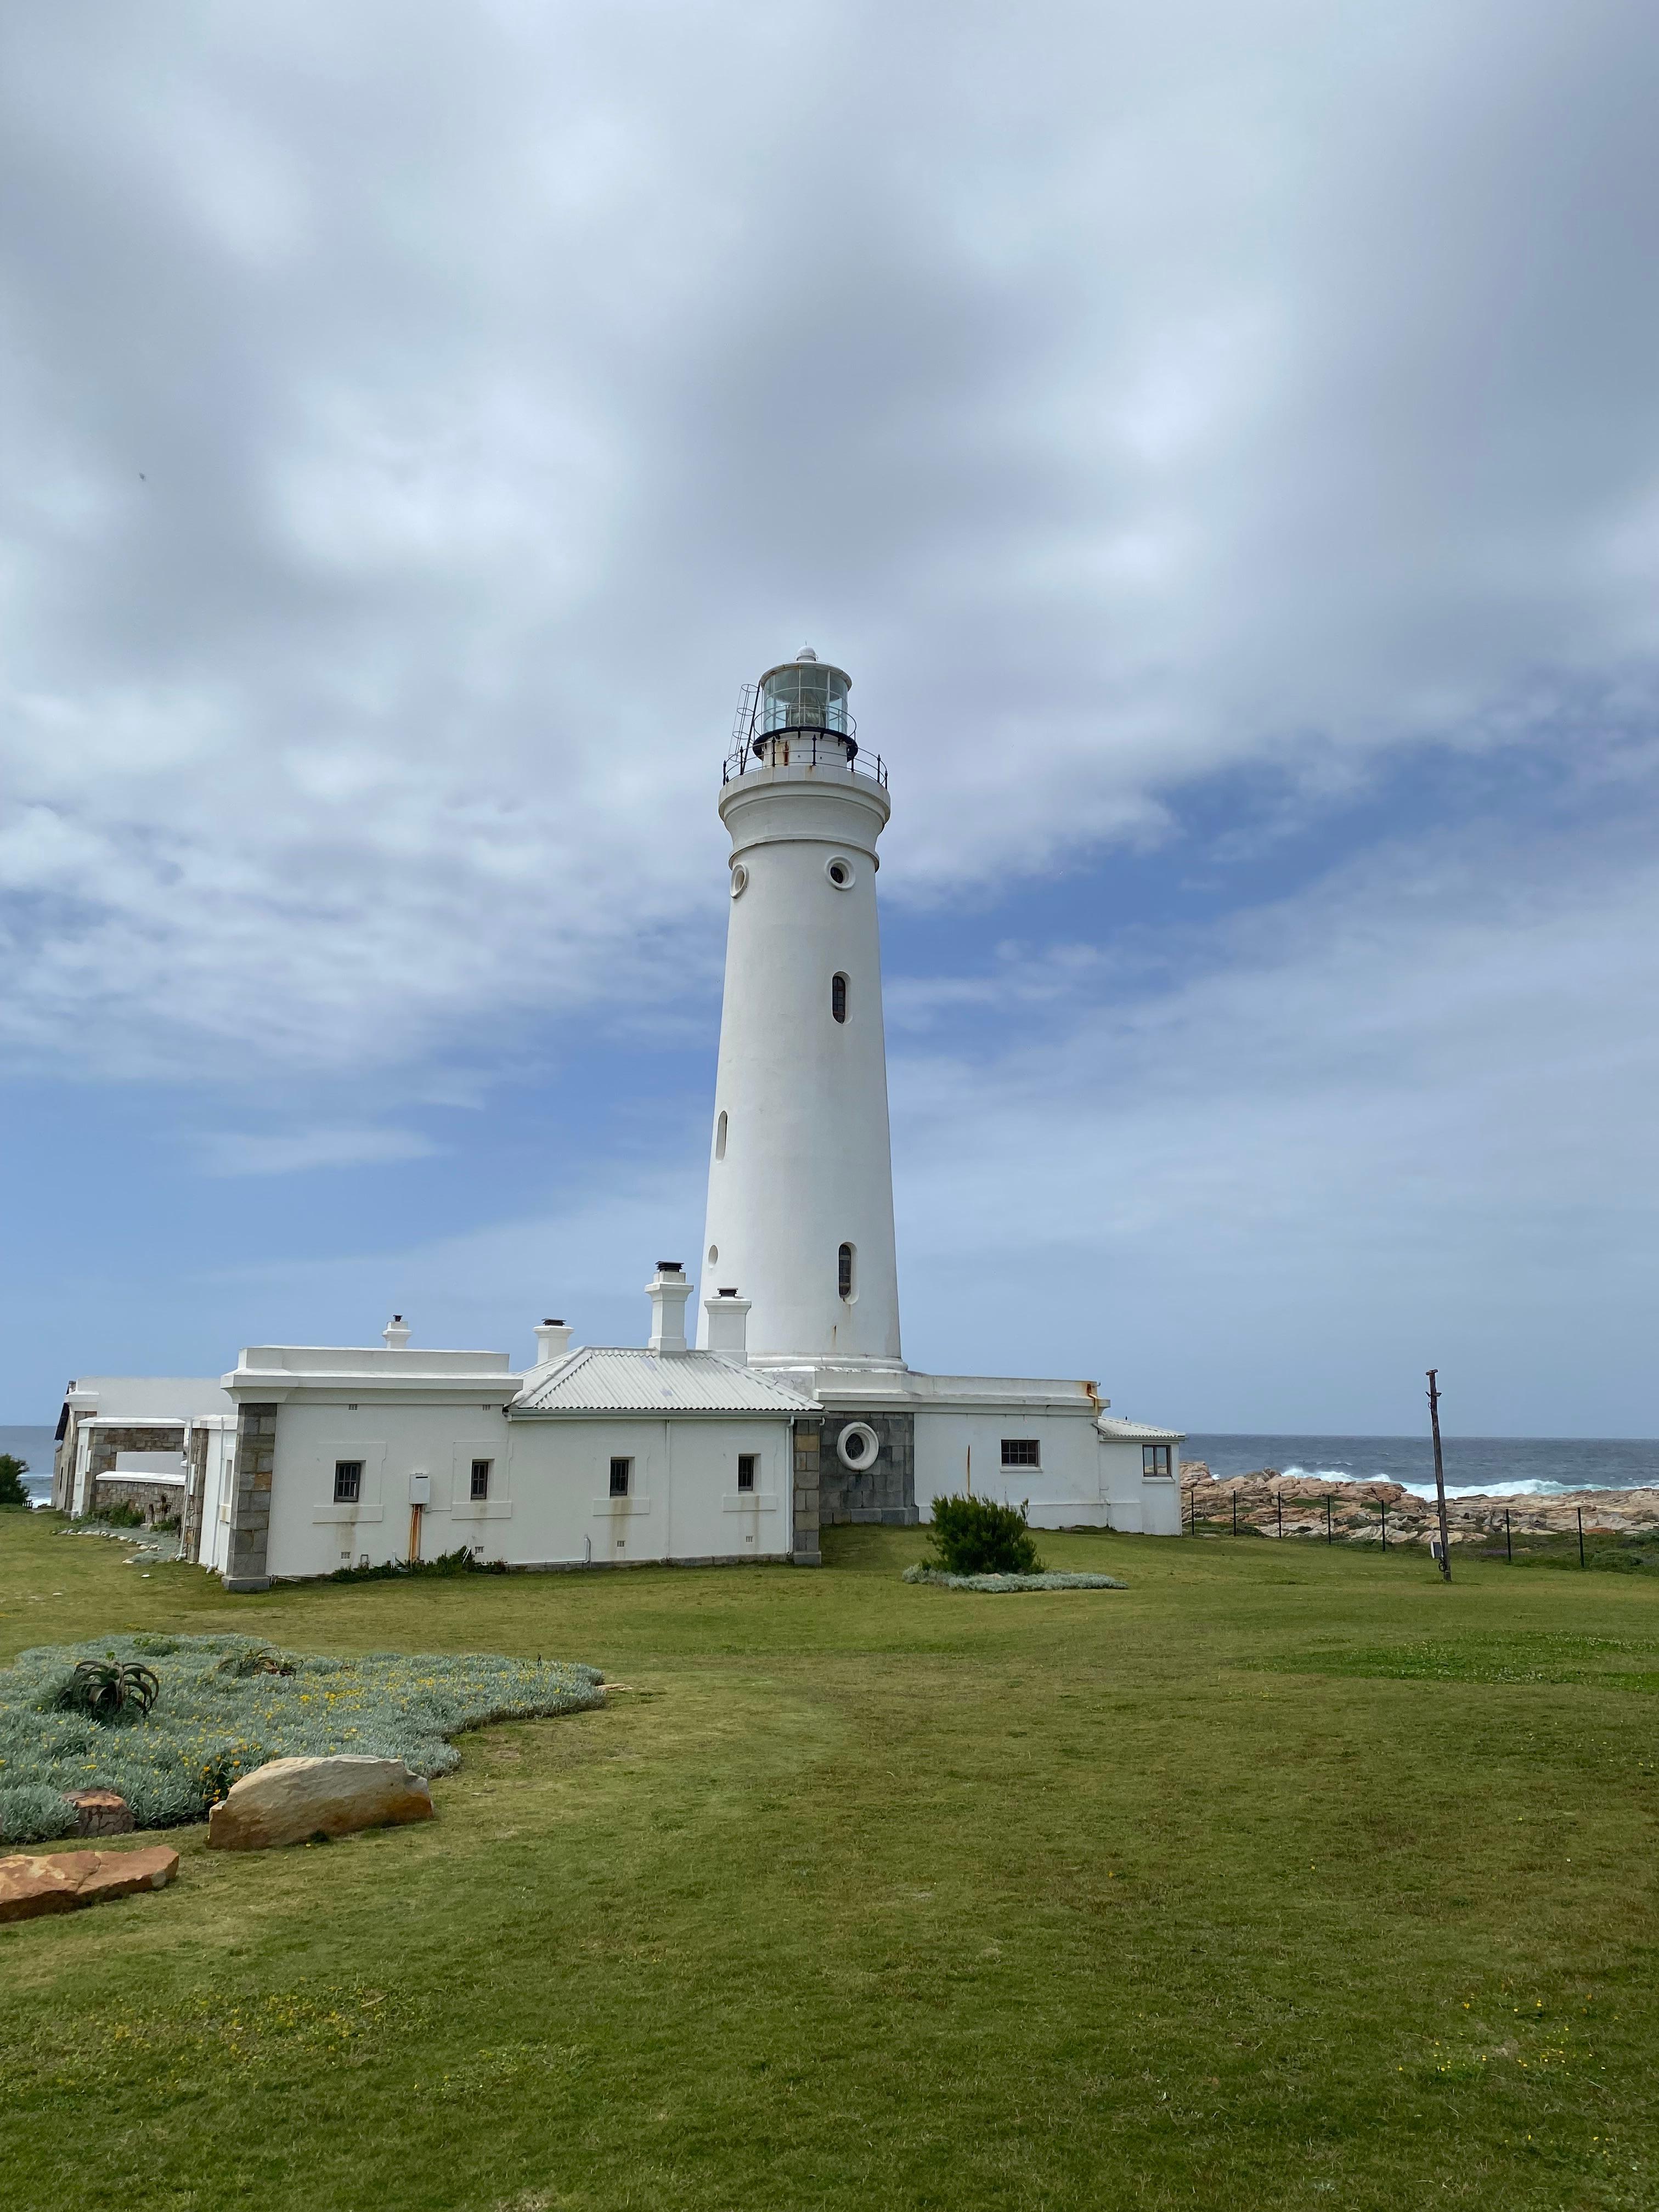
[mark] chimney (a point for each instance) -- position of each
(668, 1292)
(395, 1333)
(728, 1326)
(552, 1342)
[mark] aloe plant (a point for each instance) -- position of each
(104, 1689)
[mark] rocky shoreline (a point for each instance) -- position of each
(1270, 1504)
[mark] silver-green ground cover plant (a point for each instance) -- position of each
(995, 1582)
(228, 1703)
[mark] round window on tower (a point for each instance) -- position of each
(840, 872)
(739, 880)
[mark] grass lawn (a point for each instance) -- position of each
(1285, 1877)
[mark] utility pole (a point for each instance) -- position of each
(1439, 1476)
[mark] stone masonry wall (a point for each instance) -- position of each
(883, 1492)
(105, 1487)
(808, 1436)
(190, 1535)
(249, 1516)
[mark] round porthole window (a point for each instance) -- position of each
(858, 1445)
(840, 872)
(739, 880)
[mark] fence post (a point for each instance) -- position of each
(1581, 1535)
(1235, 1513)
(1385, 1524)
(1509, 1540)
(1279, 1501)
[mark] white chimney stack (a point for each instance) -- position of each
(552, 1342)
(395, 1333)
(728, 1327)
(668, 1291)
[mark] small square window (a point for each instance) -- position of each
(481, 1477)
(348, 1481)
(1020, 1451)
(1155, 1459)
(620, 1471)
(747, 1462)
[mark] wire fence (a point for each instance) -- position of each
(1367, 1520)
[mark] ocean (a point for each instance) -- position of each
(1498, 1466)
(34, 1446)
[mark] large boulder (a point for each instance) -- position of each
(291, 1800)
(62, 1880)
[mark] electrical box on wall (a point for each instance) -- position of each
(420, 1490)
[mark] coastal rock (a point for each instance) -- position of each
(289, 1801)
(100, 1812)
(61, 1881)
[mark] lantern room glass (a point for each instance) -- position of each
(803, 695)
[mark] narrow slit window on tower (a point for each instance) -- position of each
(844, 1271)
(838, 997)
(720, 1136)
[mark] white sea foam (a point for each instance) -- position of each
(1543, 1488)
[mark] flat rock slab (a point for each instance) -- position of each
(290, 1800)
(64, 1881)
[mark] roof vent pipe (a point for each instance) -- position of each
(395, 1333)
(668, 1291)
(728, 1327)
(552, 1342)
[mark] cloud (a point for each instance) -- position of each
(1404, 1114)
(295, 1151)
(408, 463)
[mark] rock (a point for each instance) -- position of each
(291, 1800)
(63, 1880)
(100, 1812)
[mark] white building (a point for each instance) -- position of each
(796, 1408)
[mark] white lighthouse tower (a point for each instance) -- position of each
(800, 1176)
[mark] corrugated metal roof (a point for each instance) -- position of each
(602, 1378)
(1137, 1431)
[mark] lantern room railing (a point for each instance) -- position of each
(796, 746)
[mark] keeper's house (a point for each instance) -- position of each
(615, 1456)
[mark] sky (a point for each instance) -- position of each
(1221, 441)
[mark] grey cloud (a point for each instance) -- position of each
(1120, 396)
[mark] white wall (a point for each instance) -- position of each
(548, 1498)
(1065, 1491)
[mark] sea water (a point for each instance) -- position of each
(35, 1446)
(1496, 1467)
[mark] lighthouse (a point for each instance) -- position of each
(800, 1175)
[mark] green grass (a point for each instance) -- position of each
(869, 1895)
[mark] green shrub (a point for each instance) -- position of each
(977, 1536)
(228, 1704)
(123, 1514)
(12, 1471)
(463, 1560)
(34, 1813)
